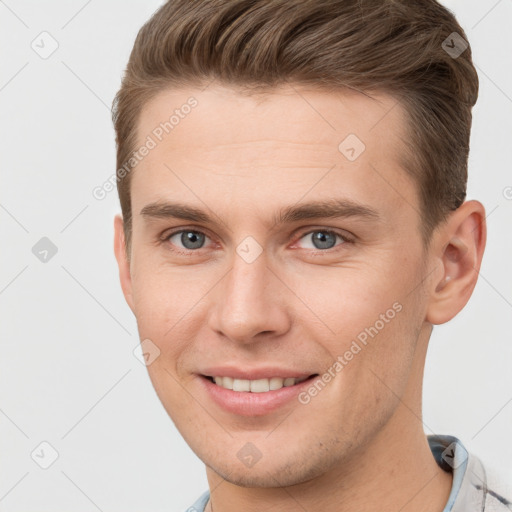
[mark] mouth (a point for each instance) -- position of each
(254, 397)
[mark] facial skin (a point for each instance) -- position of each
(241, 159)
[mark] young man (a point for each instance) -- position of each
(292, 177)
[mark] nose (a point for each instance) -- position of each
(249, 303)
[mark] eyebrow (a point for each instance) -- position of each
(330, 208)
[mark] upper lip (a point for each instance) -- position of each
(253, 373)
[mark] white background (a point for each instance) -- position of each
(68, 375)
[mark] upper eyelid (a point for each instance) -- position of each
(339, 232)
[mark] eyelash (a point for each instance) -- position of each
(189, 252)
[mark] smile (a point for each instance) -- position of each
(256, 396)
(258, 385)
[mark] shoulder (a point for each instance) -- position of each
(200, 504)
(498, 490)
(476, 487)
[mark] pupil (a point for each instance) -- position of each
(323, 240)
(192, 240)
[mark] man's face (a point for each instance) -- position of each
(250, 292)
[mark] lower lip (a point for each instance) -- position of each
(245, 403)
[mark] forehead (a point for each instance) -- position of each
(270, 146)
(291, 113)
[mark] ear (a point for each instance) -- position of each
(461, 243)
(122, 260)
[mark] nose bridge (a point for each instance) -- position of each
(245, 303)
(247, 282)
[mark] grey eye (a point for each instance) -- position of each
(322, 239)
(190, 239)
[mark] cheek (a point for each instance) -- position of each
(367, 321)
(375, 373)
(345, 302)
(161, 310)
(387, 357)
(163, 296)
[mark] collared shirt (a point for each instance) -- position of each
(472, 490)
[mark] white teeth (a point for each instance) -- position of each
(241, 385)
(275, 383)
(227, 382)
(258, 385)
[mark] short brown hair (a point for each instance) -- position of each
(396, 47)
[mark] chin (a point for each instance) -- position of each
(277, 474)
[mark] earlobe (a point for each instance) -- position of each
(462, 243)
(122, 260)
